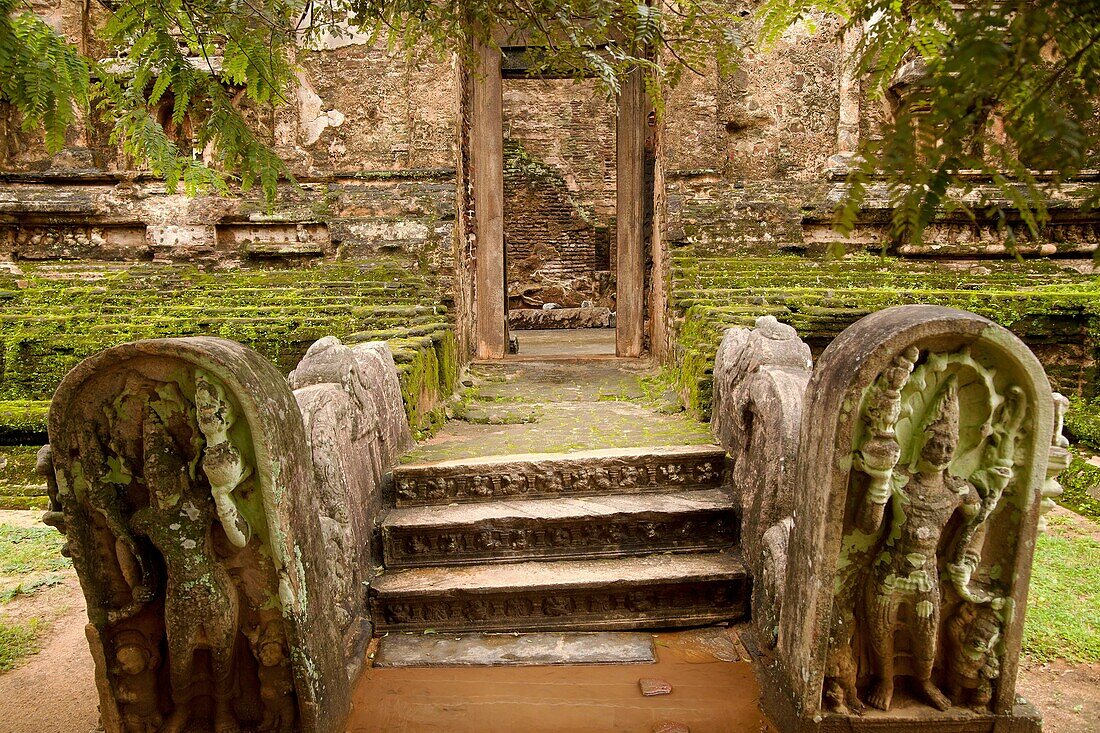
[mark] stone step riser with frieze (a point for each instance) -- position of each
(627, 593)
(612, 526)
(588, 473)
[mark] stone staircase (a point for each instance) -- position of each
(604, 539)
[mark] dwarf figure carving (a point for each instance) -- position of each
(276, 680)
(973, 664)
(136, 663)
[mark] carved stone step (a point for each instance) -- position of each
(623, 593)
(586, 473)
(563, 527)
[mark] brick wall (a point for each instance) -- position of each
(559, 191)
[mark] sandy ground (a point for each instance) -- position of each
(54, 691)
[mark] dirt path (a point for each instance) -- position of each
(54, 691)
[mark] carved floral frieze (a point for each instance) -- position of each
(557, 480)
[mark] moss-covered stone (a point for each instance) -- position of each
(23, 422)
(1081, 488)
(1083, 422)
(1054, 309)
(56, 315)
(20, 486)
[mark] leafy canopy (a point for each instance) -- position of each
(1006, 92)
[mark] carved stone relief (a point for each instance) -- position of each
(587, 538)
(620, 475)
(933, 464)
(174, 488)
(925, 441)
(558, 609)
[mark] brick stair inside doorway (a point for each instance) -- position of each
(605, 539)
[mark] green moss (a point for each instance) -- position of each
(20, 486)
(1046, 305)
(54, 316)
(1081, 488)
(23, 421)
(1083, 422)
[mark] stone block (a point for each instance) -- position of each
(608, 526)
(182, 242)
(922, 472)
(584, 473)
(511, 650)
(626, 593)
(181, 474)
(537, 318)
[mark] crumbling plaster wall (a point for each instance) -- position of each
(358, 107)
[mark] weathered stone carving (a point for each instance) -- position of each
(136, 663)
(760, 377)
(973, 664)
(925, 442)
(557, 609)
(550, 538)
(182, 478)
(351, 406)
(552, 477)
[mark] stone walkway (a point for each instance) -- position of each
(556, 406)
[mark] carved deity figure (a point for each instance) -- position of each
(276, 680)
(201, 604)
(904, 587)
(927, 518)
(222, 462)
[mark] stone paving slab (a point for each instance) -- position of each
(518, 406)
(499, 650)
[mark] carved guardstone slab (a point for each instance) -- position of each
(924, 450)
(182, 478)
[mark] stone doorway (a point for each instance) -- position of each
(557, 205)
(559, 212)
